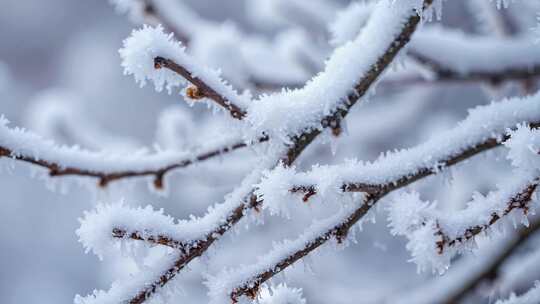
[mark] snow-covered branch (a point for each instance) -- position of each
(328, 97)
(141, 236)
(491, 271)
(200, 89)
(280, 294)
(453, 55)
(246, 281)
(151, 54)
(443, 73)
(475, 134)
(435, 238)
(472, 217)
(21, 145)
(519, 202)
(195, 235)
(403, 19)
(484, 128)
(288, 58)
(470, 273)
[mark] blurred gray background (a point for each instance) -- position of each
(70, 48)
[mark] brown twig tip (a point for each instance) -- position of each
(103, 182)
(149, 9)
(54, 170)
(193, 92)
(158, 181)
(337, 131)
(4, 152)
(203, 89)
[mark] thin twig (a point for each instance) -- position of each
(310, 190)
(491, 271)
(155, 240)
(446, 73)
(202, 89)
(57, 169)
(520, 201)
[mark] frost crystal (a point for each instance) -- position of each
(280, 294)
(147, 43)
(524, 145)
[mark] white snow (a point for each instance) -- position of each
(147, 43)
(461, 52)
(291, 112)
(422, 227)
(225, 47)
(420, 221)
(465, 53)
(524, 148)
(97, 226)
(96, 233)
(24, 143)
(128, 287)
(221, 285)
(483, 123)
(350, 22)
(440, 288)
(280, 294)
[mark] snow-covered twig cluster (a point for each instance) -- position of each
(396, 170)
(204, 60)
(295, 134)
(290, 58)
